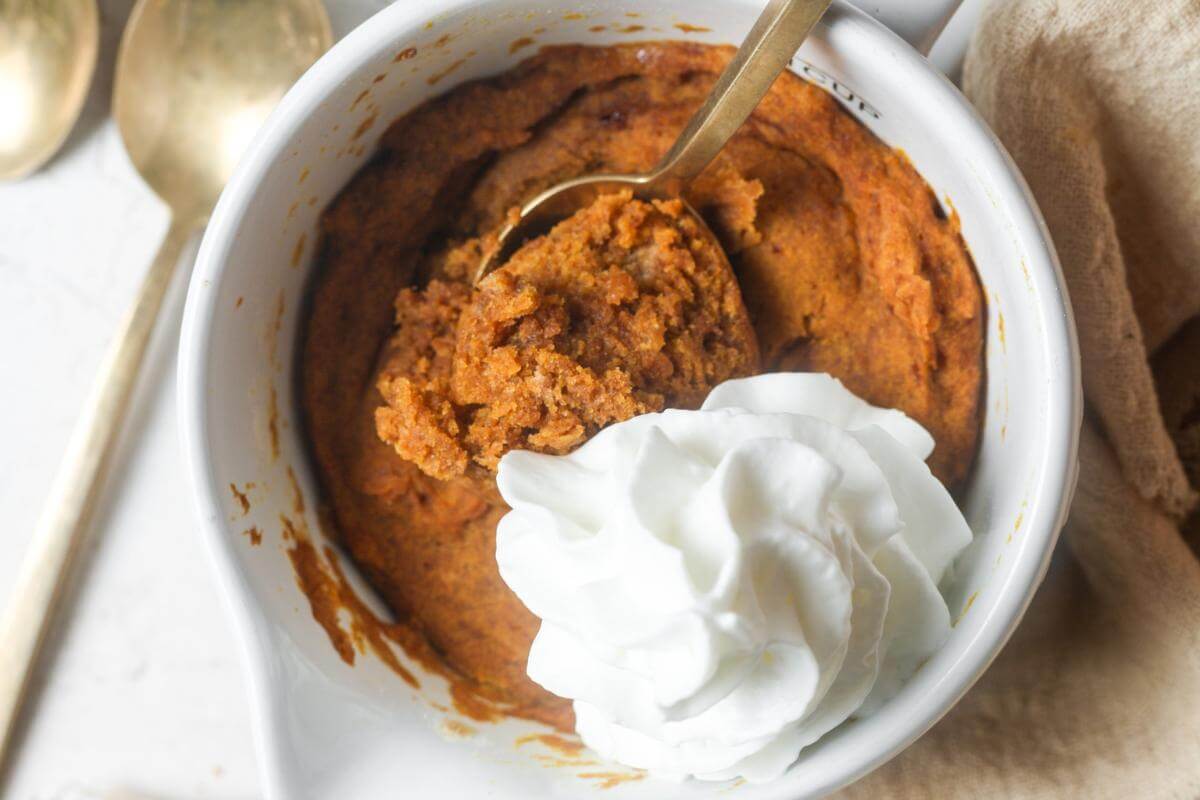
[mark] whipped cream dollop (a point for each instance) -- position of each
(720, 588)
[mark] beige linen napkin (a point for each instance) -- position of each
(1098, 694)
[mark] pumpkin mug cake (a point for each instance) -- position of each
(591, 352)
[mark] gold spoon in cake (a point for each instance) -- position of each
(776, 36)
(194, 80)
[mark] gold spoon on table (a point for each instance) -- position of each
(194, 80)
(47, 57)
(776, 36)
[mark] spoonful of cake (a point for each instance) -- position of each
(776, 36)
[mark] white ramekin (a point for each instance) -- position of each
(325, 729)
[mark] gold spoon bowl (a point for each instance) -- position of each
(47, 57)
(195, 80)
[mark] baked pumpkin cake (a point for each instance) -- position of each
(414, 382)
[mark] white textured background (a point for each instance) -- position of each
(141, 693)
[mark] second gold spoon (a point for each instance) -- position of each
(195, 79)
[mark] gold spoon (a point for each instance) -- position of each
(194, 80)
(776, 36)
(47, 57)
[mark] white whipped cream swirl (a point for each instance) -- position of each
(719, 588)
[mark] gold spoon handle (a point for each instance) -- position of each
(60, 529)
(766, 50)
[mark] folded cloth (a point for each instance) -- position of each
(1098, 693)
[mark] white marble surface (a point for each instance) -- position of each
(141, 693)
